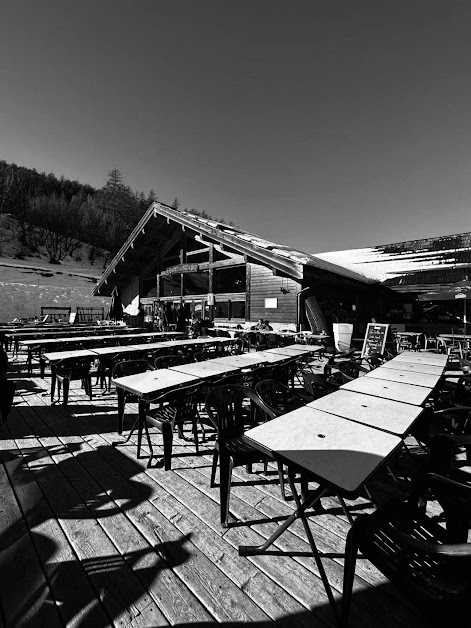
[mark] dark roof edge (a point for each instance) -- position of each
(135, 232)
(217, 231)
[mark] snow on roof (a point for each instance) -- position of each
(291, 254)
(380, 265)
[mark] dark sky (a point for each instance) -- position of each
(319, 124)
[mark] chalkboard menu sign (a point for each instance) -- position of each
(375, 338)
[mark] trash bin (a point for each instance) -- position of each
(342, 336)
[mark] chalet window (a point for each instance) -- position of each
(172, 257)
(149, 287)
(232, 279)
(222, 309)
(230, 309)
(197, 283)
(198, 258)
(170, 286)
(238, 309)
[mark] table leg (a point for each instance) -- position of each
(53, 381)
(311, 499)
(120, 392)
(300, 512)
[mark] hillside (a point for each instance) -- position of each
(28, 281)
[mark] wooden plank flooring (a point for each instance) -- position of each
(91, 537)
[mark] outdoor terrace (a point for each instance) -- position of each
(90, 536)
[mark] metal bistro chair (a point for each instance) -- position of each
(229, 409)
(172, 410)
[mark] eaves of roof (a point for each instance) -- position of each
(279, 257)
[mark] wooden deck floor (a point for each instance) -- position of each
(91, 537)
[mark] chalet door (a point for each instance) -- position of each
(172, 309)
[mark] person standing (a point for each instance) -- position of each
(182, 317)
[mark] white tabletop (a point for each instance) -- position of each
(207, 368)
(414, 367)
(266, 356)
(151, 383)
(100, 351)
(340, 453)
(406, 393)
(56, 356)
(240, 361)
(382, 414)
(406, 377)
(295, 350)
(421, 357)
(91, 338)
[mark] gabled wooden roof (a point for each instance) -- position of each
(154, 227)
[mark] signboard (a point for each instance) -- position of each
(271, 303)
(460, 295)
(181, 268)
(375, 338)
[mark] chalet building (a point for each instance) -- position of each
(412, 268)
(175, 259)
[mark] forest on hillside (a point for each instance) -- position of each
(59, 214)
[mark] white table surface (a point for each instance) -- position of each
(383, 414)
(339, 452)
(405, 377)
(266, 356)
(207, 368)
(421, 357)
(290, 351)
(56, 356)
(240, 361)
(100, 351)
(396, 391)
(153, 382)
(414, 367)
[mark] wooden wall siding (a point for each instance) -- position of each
(264, 285)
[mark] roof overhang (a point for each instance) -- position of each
(131, 258)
